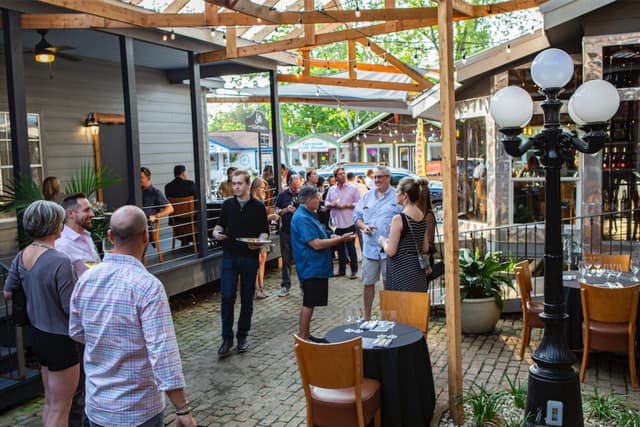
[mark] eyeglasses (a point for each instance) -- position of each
(380, 176)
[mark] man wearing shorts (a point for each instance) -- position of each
(311, 245)
(373, 215)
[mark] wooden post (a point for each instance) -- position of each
(450, 205)
(95, 136)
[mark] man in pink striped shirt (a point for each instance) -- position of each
(121, 313)
(342, 199)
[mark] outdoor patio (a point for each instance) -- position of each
(263, 388)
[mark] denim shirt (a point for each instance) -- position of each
(377, 212)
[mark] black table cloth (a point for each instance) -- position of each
(571, 289)
(403, 369)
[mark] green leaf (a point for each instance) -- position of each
(19, 193)
(85, 180)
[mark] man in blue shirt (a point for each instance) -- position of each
(373, 215)
(314, 266)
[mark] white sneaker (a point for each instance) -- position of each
(283, 292)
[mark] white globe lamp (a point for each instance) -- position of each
(552, 69)
(511, 107)
(577, 120)
(595, 101)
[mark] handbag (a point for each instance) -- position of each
(19, 300)
(437, 268)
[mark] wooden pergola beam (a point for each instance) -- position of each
(249, 8)
(292, 100)
(378, 50)
(334, 81)
(463, 7)
(344, 65)
(175, 6)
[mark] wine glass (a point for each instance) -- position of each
(618, 273)
(348, 315)
(635, 267)
(107, 246)
(332, 226)
(582, 268)
(358, 315)
(392, 316)
(598, 267)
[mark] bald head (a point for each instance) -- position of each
(128, 224)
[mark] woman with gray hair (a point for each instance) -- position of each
(47, 279)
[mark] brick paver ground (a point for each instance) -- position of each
(262, 387)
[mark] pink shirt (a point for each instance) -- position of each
(78, 247)
(348, 194)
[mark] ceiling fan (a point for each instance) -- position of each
(45, 52)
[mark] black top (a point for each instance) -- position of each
(180, 188)
(249, 220)
(285, 199)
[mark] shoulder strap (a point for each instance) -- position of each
(415, 242)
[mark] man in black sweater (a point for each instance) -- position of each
(180, 186)
(242, 216)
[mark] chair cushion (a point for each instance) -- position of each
(336, 407)
(608, 336)
(534, 308)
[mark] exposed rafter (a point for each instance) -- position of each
(335, 81)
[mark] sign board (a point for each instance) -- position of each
(314, 145)
(420, 157)
(257, 122)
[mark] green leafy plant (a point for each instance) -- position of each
(482, 406)
(602, 407)
(87, 181)
(480, 277)
(513, 420)
(628, 418)
(19, 193)
(518, 392)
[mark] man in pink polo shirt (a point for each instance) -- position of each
(342, 199)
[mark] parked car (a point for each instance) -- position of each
(360, 169)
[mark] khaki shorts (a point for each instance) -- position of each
(372, 269)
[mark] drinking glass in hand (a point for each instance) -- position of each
(107, 246)
(332, 226)
(348, 316)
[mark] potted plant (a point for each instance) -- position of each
(481, 282)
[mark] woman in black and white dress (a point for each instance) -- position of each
(410, 236)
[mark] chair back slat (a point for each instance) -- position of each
(183, 208)
(623, 260)
(412, 308)
(336, 365)
(523, 278)
(609, 305)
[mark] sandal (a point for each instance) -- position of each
(260, 294)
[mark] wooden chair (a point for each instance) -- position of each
(623, 260)
(183, 219)
(336, 392)
(530, 309)
(412, 308)
(609, 323)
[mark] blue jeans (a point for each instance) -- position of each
(287, 257)
(157, 421)
(345, 247)
(234, 266)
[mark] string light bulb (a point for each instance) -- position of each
(172, 35)
(508, 49)
(213, 32)
(358, 12)
(165, 37)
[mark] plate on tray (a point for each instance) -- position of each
(254, 240)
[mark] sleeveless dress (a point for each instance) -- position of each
(403, 271)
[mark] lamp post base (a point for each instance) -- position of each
(556, 385)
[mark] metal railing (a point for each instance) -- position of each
(607, 233)
(12, 355)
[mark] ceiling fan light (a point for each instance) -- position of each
(44, 56)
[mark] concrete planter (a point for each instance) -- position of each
(479, 315)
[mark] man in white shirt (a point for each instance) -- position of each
(75, 240)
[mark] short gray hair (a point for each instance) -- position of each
(306, 192)
(385, 169)
(42, 218)
(127, 222)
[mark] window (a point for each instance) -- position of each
(472, 181)
(35, 150)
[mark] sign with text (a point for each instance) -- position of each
(257, 122)
(420, 157)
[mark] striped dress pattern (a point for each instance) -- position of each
(403, 271)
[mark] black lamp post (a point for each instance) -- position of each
(553, 396)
